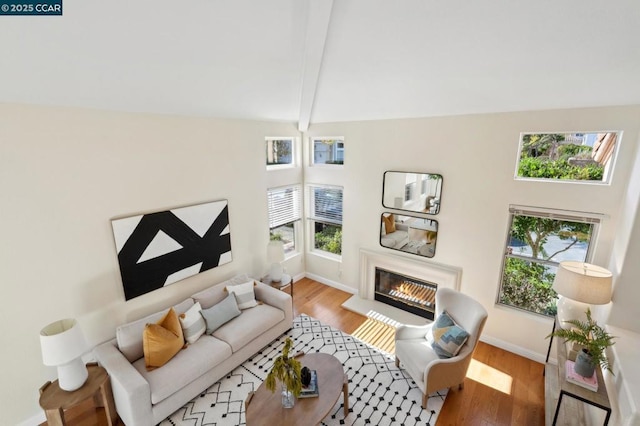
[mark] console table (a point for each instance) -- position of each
(556, 388)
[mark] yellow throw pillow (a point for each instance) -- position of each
(389, 224)
(162, 341)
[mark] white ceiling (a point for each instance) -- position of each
(321, 60)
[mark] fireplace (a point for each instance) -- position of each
(405, 292)
(428, 275)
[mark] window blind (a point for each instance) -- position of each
(326, 204)
(284, 205)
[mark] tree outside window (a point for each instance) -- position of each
(537, 243)
(567, 156)
(279, 152)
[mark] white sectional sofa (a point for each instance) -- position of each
(144, 398)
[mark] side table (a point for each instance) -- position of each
(54, 400)
(285, 282)
(556, 384)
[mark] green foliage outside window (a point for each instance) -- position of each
(546, 156)
(527, 277)
(329, 239)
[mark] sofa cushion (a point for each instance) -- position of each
(220, 313)
(446, 337)
(249, 325)
(214, 294)
(162, 341)
(245, 296)
(129, 336)
(193, 325)
(184, 368)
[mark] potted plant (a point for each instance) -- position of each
(593, 339)
(287, 370)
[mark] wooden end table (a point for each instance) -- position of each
(265, 407)
(285, 281)
(54, 400)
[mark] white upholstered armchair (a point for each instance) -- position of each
(416, 355)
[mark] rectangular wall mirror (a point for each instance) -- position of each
(413, 192)
(410, 234)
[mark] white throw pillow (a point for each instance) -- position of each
(193, 325)
(245, 296)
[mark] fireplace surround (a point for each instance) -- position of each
(422, 270)
(404, 292)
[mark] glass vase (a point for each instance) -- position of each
(288, 400)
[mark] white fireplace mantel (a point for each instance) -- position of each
(364, 303)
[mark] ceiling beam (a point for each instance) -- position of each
(318, 18)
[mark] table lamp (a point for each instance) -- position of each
(580, 284)
(275, 255)
(63, 345)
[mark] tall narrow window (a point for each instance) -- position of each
(325, 218)
(280, 152)
(538, 241)
(327, 150)
(285, 212)
(583, 157)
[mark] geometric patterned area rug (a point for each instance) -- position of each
(379, 392)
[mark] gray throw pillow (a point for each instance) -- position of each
(220, 313)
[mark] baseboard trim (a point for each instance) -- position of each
(510, 347)
(331, 283)
(34, 420)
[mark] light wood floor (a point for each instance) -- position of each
(501, 388)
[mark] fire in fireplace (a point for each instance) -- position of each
(404, 292)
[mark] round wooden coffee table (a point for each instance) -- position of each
(265, 408)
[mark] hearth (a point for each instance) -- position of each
(405, 292)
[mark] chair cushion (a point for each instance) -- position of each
(446, 337)
(415, 355)
(220, 313)
(162, 341)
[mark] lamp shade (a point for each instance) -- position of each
(275, 251)
(63, 345)
(62, 342)
(583, 282)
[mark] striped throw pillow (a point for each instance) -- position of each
(193, 325)
(244, 294)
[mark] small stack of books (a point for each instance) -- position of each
(311, 390)
(590, 383)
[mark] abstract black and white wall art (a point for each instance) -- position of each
(158, 249)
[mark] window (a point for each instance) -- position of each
(586, 157)
(538, 241)
(408, 191)
(284, 215)
(327, 151)
(279, 152)
(325, 218)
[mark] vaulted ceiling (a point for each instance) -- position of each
(311, 61)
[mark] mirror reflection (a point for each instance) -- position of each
(409, 234)
(415, 192)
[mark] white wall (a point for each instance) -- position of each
(476, 156)
(64, 173)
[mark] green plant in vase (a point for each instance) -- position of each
(287, 370)
(593, 339)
